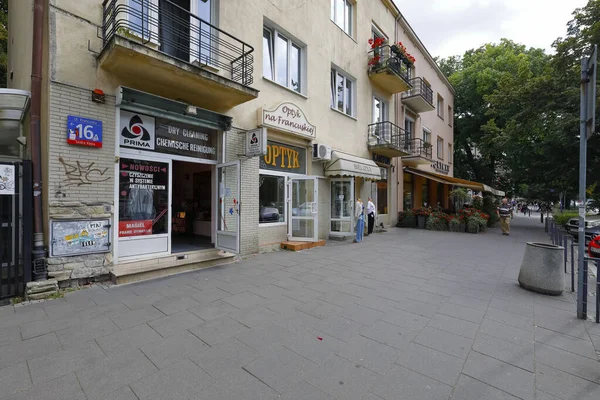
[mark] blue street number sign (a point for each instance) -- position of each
(84, 131)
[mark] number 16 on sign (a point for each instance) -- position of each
(84, 131)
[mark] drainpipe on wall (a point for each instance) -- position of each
(39, 252)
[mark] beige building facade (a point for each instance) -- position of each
(180, 132)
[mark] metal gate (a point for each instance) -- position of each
(16, 227)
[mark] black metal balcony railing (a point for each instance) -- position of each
(383, 57)
(419, 88)
(175, 31)
(382, 133)
(418, 148)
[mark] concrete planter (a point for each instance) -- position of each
(421, 221)
(542, 269)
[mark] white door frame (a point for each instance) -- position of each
(314, 215)
(351, 217)
(221, 209)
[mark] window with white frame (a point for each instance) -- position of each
(139, 14)
(380, 110)
(440, 148)
(342, 92)
(409, 128)
(450, 153)
(450, 115)
(440, 106)
(342, 14)
(426, 136)
(283, 60)
(271, 199)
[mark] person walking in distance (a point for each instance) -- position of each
(370, 216)
(505, 213)
(359, 213)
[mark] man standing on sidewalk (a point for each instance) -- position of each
(371, 216)
(505, 213)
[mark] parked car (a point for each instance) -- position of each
(592, 228)
(268, 214)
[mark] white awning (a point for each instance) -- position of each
(343, 164)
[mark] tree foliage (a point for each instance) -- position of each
(517, 112)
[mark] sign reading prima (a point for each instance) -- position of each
(161, 135)
(287, 117)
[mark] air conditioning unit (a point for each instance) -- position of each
(321, 152)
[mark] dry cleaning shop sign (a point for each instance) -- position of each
(161, 135)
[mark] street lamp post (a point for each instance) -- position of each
(587, 123)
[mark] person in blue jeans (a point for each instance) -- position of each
(359, 213)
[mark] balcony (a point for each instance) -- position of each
(420, 97)
(387, 139)
(419, 152)
(389, 71)
(164, 49)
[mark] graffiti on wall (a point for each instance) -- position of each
(78, 174)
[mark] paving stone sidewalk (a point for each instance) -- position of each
(407, 314)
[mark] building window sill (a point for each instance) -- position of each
(274, 224)
(341, 29)
(285, 87)
(343, 113)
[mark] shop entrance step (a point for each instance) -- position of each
(297, 246)
(134, 271)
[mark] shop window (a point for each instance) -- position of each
(425, 194)
(271, 199)
(143, 197)
(341, 14)
(382, 197)
(407, 196)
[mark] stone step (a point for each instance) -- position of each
(134, 271)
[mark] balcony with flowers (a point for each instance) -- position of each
(390, 66)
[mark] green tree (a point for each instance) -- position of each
(517, 112)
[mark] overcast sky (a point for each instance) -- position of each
(450, 27)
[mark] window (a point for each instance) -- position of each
(450, 115)
(342, 92)
(440, 148)
(382, 196)
(407, 191)
(140, 13)
(380, 109)
(341, 14)
(143, 211)
(271, 199)
(426, 136)
(282, 59)
(440, 106)
(450, 153)
(409, 127)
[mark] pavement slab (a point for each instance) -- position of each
(444, 321)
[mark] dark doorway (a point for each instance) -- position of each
(191, 219)
(174, 29)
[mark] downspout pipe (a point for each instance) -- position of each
(39, 252)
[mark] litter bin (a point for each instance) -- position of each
(542, 269)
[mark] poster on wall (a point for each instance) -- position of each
(76, 237)
(143, 197)
(7, 179)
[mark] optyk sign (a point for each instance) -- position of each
(287, 117)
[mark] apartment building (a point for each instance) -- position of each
(177, 133)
